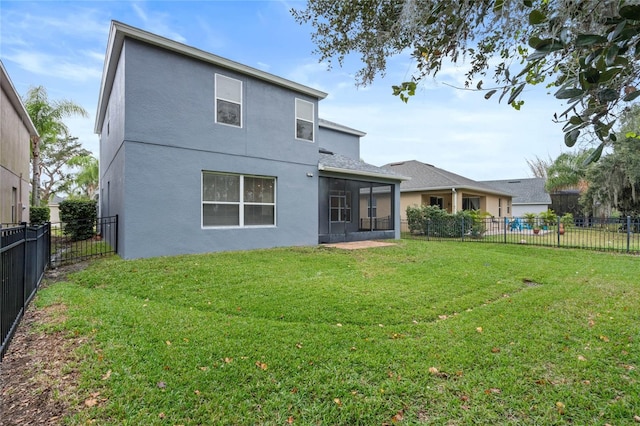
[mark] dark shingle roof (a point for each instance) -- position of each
(425, 177)
(339, 163)
(525, 191)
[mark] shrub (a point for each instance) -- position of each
(548, 218)
(567, 220)
(79, 218)
(479, 219)
(39, 215)
(435, 222)
(417, 217)
(530, 219)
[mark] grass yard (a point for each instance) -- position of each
(418, 333)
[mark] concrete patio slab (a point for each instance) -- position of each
(355, 245)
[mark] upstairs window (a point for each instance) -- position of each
(228, 101)
(304, 120)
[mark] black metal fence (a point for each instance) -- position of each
(66, 247)
(605, 234)
(27, 251)
(24, 256)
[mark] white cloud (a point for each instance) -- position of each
(310, 74)
(55, 66)
(156, 22)
(80, 23)
(473, 137)
(263, 66)
(210, 39)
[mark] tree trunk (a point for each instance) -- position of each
(35, 166)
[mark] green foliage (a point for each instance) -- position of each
(79, 218)
(84, 184)
(433, 221)
(433, 333)
(479, 220)
(568, 171)
(588, 49)
(530, 219)
(39, 215)
(548, 217)
(614, 182)
(567, 220)
(56, 146)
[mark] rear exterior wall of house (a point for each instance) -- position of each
(161, 144)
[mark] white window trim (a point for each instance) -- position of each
(240, 203)
(344, 209)
(313, 123)
(372, 207)
(215, 105)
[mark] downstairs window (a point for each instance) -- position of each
(231, 200)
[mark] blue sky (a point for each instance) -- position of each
(61, 45)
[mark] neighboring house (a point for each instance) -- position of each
(529, 195)
(201, 154)
(16, 131)
(431, 186)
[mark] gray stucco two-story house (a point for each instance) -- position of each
(201, 154)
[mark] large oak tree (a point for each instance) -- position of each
(587, 50)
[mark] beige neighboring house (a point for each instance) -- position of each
(16, 131)
(431, 186)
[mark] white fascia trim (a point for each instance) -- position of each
(457, 188)
(340, 128)
(323, 168)
(119, 31)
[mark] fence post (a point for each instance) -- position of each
(25, 263)
(117, 221)
(428, 228)
(48, 240)
(462, 228)
(506, 225)
(558, 229)
(628, 233)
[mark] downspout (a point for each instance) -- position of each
(35, 182)
(454, 195)
(20, 206)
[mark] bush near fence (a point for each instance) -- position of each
(79, 217)
(433, 221)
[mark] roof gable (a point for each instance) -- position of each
(120, 31)
(525, 191)
(426, 177)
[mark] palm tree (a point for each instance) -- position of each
(568, 171)
(86, 180)
(47, 116)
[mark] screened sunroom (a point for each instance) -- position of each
(357, 201)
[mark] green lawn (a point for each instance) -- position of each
(431, 333)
